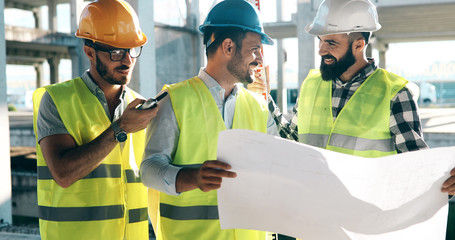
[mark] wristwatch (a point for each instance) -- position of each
(119, 134)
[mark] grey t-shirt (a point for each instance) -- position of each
(49, 121)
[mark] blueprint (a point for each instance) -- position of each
(315, 194)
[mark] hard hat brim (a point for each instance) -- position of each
(265, 39)
(318, 30)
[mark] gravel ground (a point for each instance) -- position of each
(34, 230)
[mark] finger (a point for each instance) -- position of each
(449, 182)
(135, 102)
(209, 187)
(449, 185)
(452, 172)
(211, 180)
(214, 172)
(449, 190)
(256, 89)
(257, 86)
(216, 164)
(259, 83)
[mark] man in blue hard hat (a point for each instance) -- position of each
(180, 156)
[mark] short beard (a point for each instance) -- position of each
(235, 68)
(338, 67)
(103, 71)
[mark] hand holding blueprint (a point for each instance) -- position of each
(316, 194)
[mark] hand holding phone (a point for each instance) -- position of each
(152, 102)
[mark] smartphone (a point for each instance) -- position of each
(152, 102)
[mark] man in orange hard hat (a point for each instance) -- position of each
(90, 136)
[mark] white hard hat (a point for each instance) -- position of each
(344, 16)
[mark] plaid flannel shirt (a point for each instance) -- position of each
(405, 125)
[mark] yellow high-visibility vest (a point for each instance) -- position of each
(194, 214)
(361, 128)
(111, 201)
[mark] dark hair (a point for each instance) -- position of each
(357, 35)
(219, 35)
(88, 42)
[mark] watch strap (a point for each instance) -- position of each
(117, 130)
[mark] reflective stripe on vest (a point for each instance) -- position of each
(200, 122)
(96, 204)
(189, 213)
(64, 214)
(348, 142)
(102, 171)
(362, 126)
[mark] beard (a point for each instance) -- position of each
(338, 67)
(108, 76)
(236, 68)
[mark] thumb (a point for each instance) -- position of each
(135, 102)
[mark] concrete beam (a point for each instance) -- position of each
(28, 4)
(305, 15)
(27, 51)
(5, 164)
(280, 30)
(29, 35)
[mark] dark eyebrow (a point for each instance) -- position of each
(255, 46)
(328, 41)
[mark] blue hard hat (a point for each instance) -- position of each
(236, 13)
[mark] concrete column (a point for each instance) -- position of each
(144, 74)
(369, 51)
(382, 49)
(39, 74)
(192, 22)
(281, 94)
(305, 15)
(53, 67)
(5, 164)
(382, 59)
(75, 12)
(52, 6)
(79, 61)
(38, 18)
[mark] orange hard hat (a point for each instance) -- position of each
(112, 22)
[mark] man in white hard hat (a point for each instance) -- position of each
(350, 105)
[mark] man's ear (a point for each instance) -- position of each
(228, 47)
(359, 45)
(90, 52)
